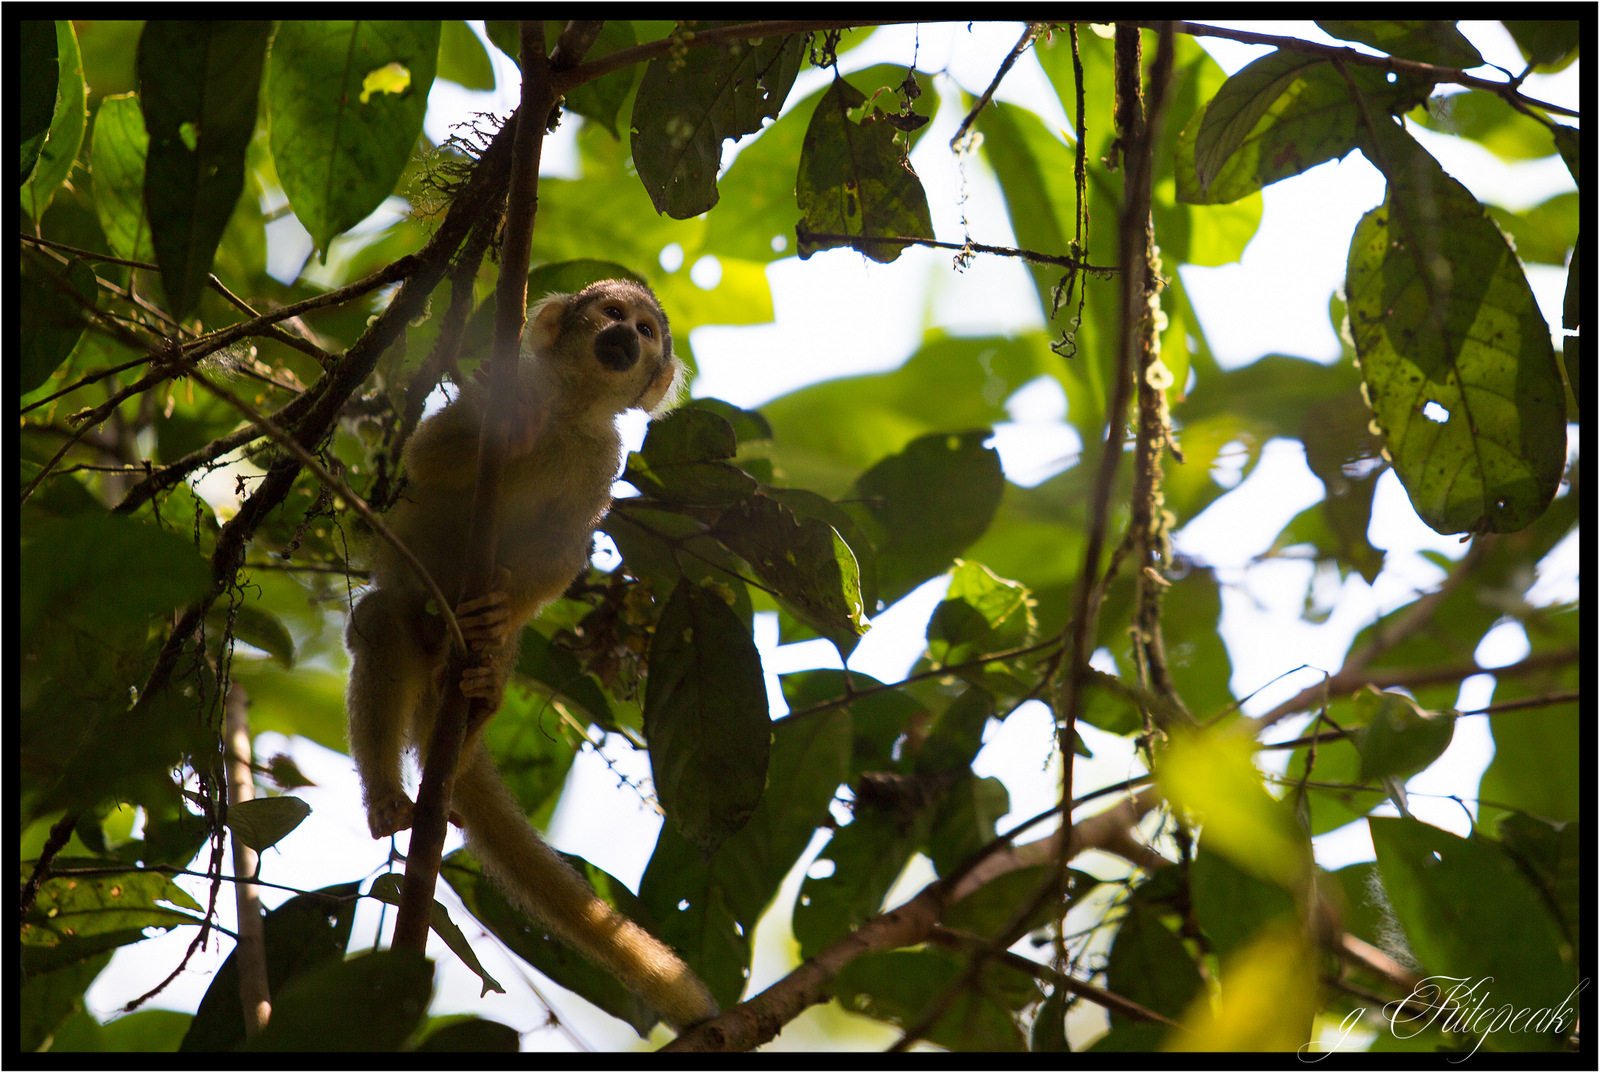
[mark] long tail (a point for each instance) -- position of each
(542, 884)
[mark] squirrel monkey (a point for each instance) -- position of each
(585, 358)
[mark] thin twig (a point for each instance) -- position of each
(1029, 32)
(1033, 256)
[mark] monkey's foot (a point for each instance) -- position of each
(389, 814)
(486, 620)
(484, 682)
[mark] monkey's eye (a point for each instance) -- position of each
(613, 312)
(647, 331)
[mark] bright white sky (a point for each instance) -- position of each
(831, 321)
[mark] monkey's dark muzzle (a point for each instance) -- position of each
(617, 347)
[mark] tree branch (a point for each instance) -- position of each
(255, 996)
(458, 720)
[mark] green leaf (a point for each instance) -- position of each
(304, 932)
(1567, 144)
(681, 461)
(263, 822)
(866, 857)
(1549, 44)
(60, 146)
(1149, 965)
(339, 148)
(1398, 737)
(1277, 117)
(560, 670)
(925, 505)
(981, 613)
(898, 985)
(808, 567)
(254, 624)
(1572, 301)
(879, 716)
(689, 103)
(473, 1035)
(1214, 775)
(1425, 41)
(1341, 799)
(855, 179)
(706, 716)
(992, 906)
(462, 58)
(1537, 762)
(77, 916)
(1468, 912)
(46, 999)
(144, 1030)
(40, 69)
(1551, 856)
(197, 88)
(1487, 119)
(1545, 233)
(1231, 905)
(602, 99)
(709, 909)
(372, 1002)
(532, 942)
(51, 319)
(1455, 354)
(387, 888)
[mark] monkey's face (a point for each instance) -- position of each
(609, 346)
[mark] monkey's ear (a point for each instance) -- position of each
(662, 394)
(544, 322)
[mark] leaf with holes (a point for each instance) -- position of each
(1455, 354)
(855, 179)
(689, 103)
(345, 102)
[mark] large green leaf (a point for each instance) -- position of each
(120, 145)
(708, 909)
(345, 101)
(855, 180)
(705, 715)
(40, 68)
(925, 505)
(897, 986)
(61, 142)
(197, 88)
(756, 214)
(302, 933)
(1277, 117)
(51, 314)
(1469, 913)
(1149, 964)
(1455, 355)
(1426, 41)
(690, 103)
(372, 1002)
(806, 564)
(865, 857)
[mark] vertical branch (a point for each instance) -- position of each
(1149, 521)
(450, 728)
(251, 952)
(1133, 262)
